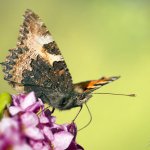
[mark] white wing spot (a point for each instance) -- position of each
(52, 58)
(44, 39)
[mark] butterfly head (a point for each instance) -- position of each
(68, 101)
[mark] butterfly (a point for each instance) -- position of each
(36, 64)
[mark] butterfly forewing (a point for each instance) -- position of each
(92, 85)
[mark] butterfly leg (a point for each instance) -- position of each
(77, 113)
(47, 108)
(53, 109)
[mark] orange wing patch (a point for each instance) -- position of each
(93, 84)
(100, 82)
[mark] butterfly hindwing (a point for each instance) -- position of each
(37, 62)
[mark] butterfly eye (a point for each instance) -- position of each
(63, 101)
(82, 97)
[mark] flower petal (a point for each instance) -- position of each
(43, 119)
(36, 145)
(34, 133)
(74, 146)
(72, 129)
(8, 123)
(46, 147)
(29, 119)
(62, 140)
(29, 100)
(13, 110)
(17, 99)
(34, 107)
(21, 147)
(48, 133)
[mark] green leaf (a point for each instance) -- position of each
(5, 99)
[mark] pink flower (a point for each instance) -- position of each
(26, 129)
(25, 103)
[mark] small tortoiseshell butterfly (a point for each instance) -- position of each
(36, 64)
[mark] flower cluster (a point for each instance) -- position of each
(30, 127)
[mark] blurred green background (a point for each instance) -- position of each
(97, 38)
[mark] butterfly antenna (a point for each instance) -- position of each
(89, 120)
(131, 95)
